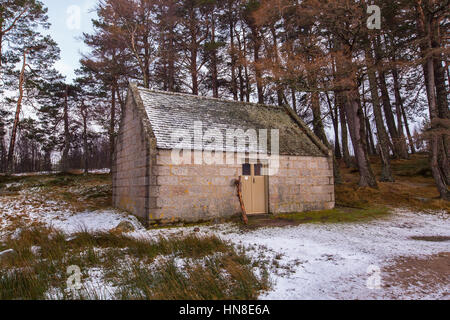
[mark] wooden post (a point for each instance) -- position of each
(238, 183)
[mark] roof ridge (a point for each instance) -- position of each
(181, 94)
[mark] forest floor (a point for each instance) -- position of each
(387, 243)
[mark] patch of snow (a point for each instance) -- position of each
(92, 221)
(100, 171)
(29, 207)
(6, 252)
(95, 287)
(54, 294)
(36, 250)
(13, 184)
(43, 173)
(38, 173)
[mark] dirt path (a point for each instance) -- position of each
(423, 276)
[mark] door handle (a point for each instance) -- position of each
(253, 179)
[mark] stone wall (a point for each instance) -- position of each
(189, 192)
(131, 164)
(302, 184)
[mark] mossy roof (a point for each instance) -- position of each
(171, 114)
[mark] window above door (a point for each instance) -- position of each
(246, 169)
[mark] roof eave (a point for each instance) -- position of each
(328, 152)
(133, 88)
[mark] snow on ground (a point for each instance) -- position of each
(101, 220)
(313, 261)
(44, 173)
(38, 173)
(336, 261)
(100, 171)
(334, 258)
(30, 206)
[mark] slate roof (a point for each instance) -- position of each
(171, 114)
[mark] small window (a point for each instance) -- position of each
(246, 169)
(258, 169)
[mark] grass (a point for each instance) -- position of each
(337, 215)
(176, 268)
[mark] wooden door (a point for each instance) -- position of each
(254, 191)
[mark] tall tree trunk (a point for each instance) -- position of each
(344, 132)
(334, 118)
(425, 22)
(383, 139)
(12, 141)
(1, 41)
(112, 123)
(258, 77)
(355, 119)
(398, 110)
(319, 130)
(370, 141)
(194, 73)
(447, 67)
(276, 60)
(294, 100)
(241, 85)
(241, 47)
(171, 12)
(85, 139)
(441, 103)
(401, 110)
(408, 132)
(47, 159)
(65, 155)
(1, 37)
(389, 116)
(214, 76)
(2, 150)
(171, 61)
(246, 71)
(369, 138)
(234, 88)
(436, 138)
(33, 157)
(146, 60)
(400, 150)
(318, 127)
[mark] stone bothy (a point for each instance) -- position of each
(156, 181)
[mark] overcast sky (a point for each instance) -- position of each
(69, 19)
